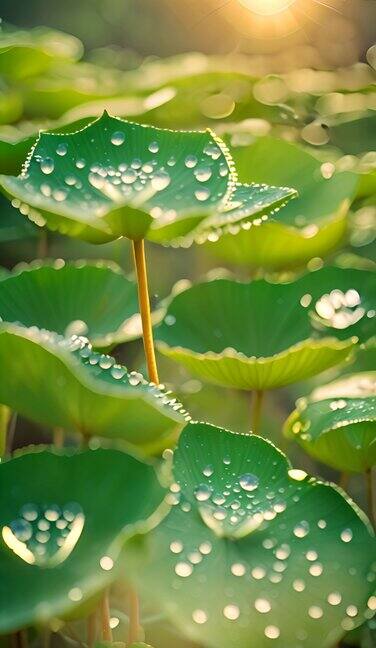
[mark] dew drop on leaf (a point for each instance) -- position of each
(117, 138)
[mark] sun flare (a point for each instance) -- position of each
(267, 7)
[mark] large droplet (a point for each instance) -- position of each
(117, 138)
(249, 482)
(47, 165)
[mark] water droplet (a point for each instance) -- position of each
(202, 194)
(176, 546)
(272, 632)
(80, 163)
(238, 569)
(191, 161)
(75, 594)
(208, 471)
(203, 492)
(262, 605)
(334, 598)
(199, 616)
(205, 548)
(129, 176)
(61, 149)
(298, 585)
(301, 529)
(183, 569)
(106, 563)
(258, 573)
(117, 138)
(249, 482)
(231, 612)
(203, 174)
(153, 147)
(346, 535)
(160, 181)
(47, 165)
(315, 612)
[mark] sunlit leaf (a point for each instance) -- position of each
(264, 335)
(59, 544)
(95, 300)
(63, 383)
(114, 178)
(337, 423)
(250, 539)
(312, 225)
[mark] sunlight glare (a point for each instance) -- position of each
(267, 7)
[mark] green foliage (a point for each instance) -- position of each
(45, 571)
(263, 335)
(95, 300)
(249, 538)
(115, 178)
(27, 53)
(243, 550)
(63, 383)
(312, 225)
(337, 423)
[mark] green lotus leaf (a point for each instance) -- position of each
(27, 53)
(264, 335)
(254, 552)
(95, 300)
(312, 225)
(59, 545)
(337, 423)
(63, 383)
(115, 178)
(355, 135)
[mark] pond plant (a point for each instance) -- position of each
(133, 500)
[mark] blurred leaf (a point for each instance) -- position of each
(312, 225)
(27, 53)
(60, 544)
(95, 300)
(337, 423)
(63, 383)
(5, 415)
(355, 135)
(248, 539)
(263, 335)
(115, 178)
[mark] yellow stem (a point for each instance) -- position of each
(134, 617)
(91, 629)
(105, 617)
(144, 302)
(258, 396)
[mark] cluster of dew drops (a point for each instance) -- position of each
(228, 505)
(148, 177)
(81, 346)
(338, 309)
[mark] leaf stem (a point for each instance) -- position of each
(105, 617)
(91, 629)
(370, 496)
(134, 617)
(144, 302)
(257, 400)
